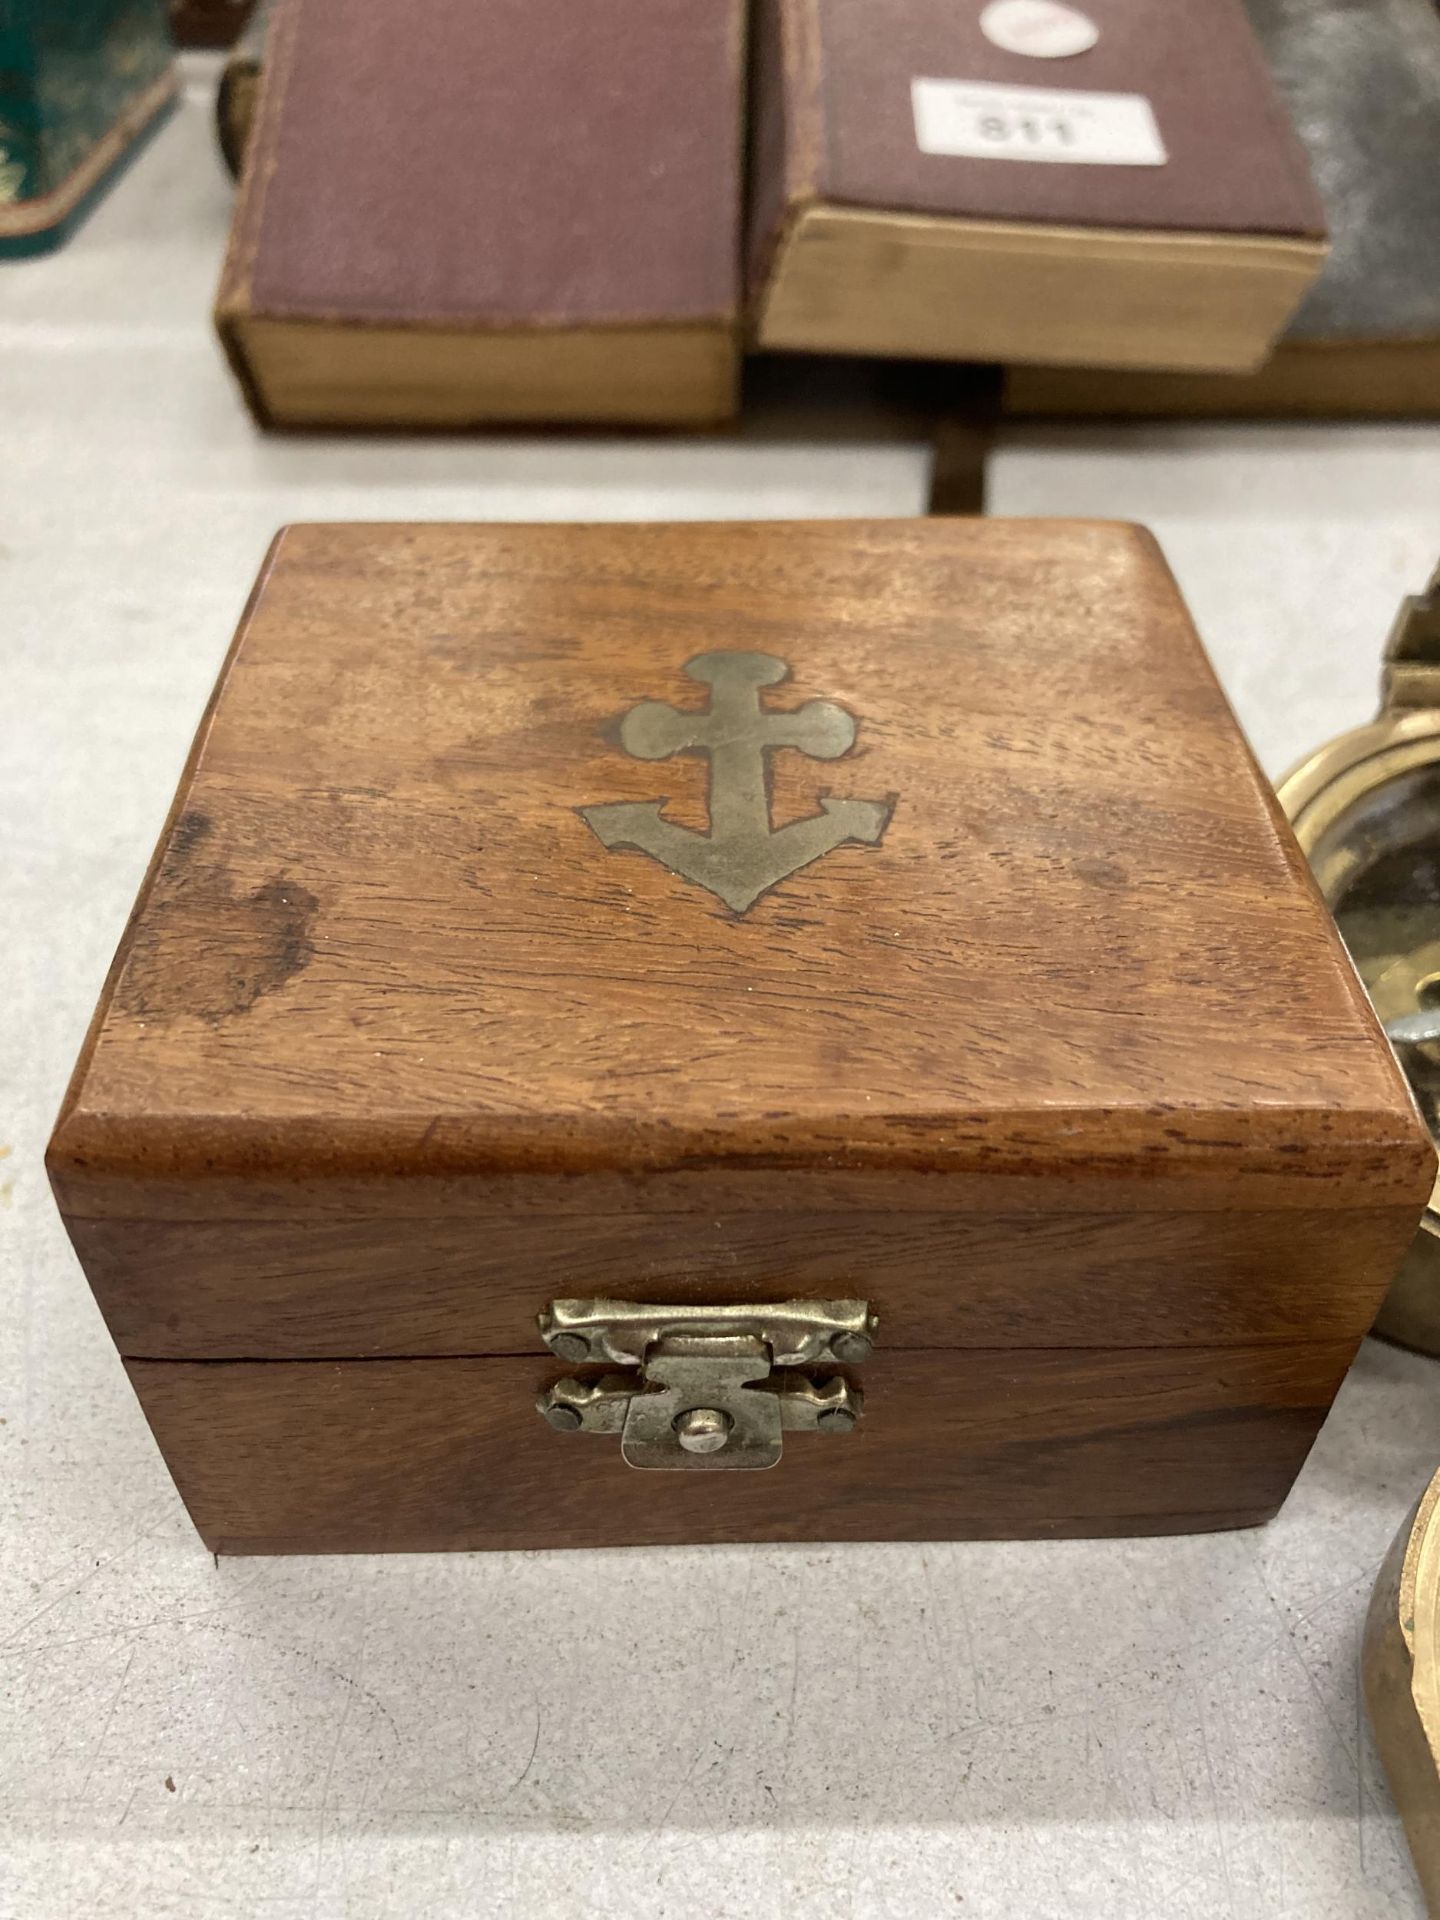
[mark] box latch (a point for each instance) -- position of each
(706, 1386)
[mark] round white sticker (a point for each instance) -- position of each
(1044, 29)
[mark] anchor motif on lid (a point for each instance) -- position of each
(743, 855)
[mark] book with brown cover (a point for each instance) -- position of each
(919, 189)
(1363, 83)
(454, 214)
(208, 23)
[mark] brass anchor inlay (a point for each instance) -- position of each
(743, 855)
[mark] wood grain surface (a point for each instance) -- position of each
(378, 1455)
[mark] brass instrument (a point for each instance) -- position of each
(1366, 810)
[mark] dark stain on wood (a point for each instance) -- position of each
(211, 952)
(191, 830)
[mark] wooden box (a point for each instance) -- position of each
(970, 985)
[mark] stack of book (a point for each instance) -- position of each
(924, 184)
(535, 216)
(1363, 85)
(538, 215)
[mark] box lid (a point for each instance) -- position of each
(987, 906)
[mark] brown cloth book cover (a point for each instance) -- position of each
(1363, 84)
(208, 23)
(521, 210)
(920, 188)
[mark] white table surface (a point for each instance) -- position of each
(1136, 1728)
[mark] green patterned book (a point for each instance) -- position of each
(81, 83)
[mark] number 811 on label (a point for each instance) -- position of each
(976, 119)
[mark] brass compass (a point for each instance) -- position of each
(1366, 810)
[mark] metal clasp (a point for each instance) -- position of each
(711, 1387)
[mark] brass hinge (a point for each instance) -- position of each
(707, 1386)
(1411, 674)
